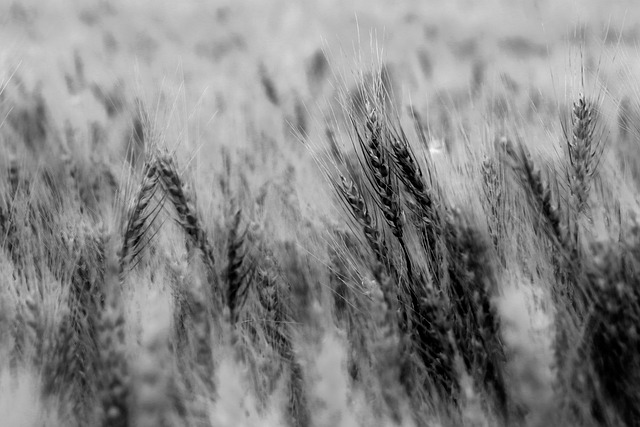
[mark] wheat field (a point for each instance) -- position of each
(319, 213)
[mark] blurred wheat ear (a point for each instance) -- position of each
(114, 376)
(239, 271)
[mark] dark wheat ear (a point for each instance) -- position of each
(424, 191)
(473, 281)
(139, 220)
(238, 273)
(187, 215)
(494, 200)
(541, 196)
(560, 227)
(188, 220)
(378, 169)
(356, 205)
(584, 149)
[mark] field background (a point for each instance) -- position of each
(197, 66)
(242, 94)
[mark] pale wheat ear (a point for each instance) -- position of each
(153, 374)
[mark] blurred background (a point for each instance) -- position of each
(268, 73)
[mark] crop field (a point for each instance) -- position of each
(319, 213)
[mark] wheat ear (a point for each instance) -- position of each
(188, 218)
(584, 151)
(137, 217)
(238, 272)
